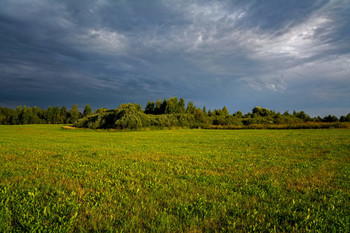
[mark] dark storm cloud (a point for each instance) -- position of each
(234, 53)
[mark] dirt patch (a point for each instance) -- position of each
(68, 127)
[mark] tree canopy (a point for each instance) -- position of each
(167, 113)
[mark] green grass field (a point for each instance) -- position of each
(53, 179)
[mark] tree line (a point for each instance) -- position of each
(174, 113)
(35, 115)
(222, 116)
(167, 113)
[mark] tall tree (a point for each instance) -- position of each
(56, 112)
(149, 109)
(36, 112)
(26, 115)
(259, 111)
(172, 106)
(190, 108)
(224, 111)
(182, 108)
(63, 115)
(330, 118)
(286, 113)
(238, 114)
(204, 110)
(49, 115)
(345, 118)
(163, 106)
(87, 110)
(216, 112)
(210, 113)
(17, 119)
(74, 113)
(158, 108)
(303, 115)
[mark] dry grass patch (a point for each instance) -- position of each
(69, 127)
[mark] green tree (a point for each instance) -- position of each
(210, 113)
(37, 115)
(286, 113)
(158, 108)
(149, 109)
(224, 111)
(182, 106)
(63, 115)
(100, 110)
(172, 106)
(49, 115)
(238, 114)
(74, 114)
(330, 118)
(345, 118)
(131, 107)
(26, 115)
(87, 110)
(259, 111)
(216, 112)
(302, 115)
(163, 106)
(190, 108)
(200, 117)
(56, 112)
(204, 110)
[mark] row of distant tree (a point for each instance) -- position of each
(175, 106)
(34, 115)
(170, 113)
(166, 110)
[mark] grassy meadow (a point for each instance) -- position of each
(59, 180)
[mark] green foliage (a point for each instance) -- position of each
(100, 110)
(224, 111)
(238, 114)
(261, 112)
(172, 106)
(55, 180)
(74, 114)
(204, 110)
(330, 118)
(56, 114)
(150, 108)
(87, 110)
(190, 108)
(345, 118)
(134, 119)
(158, 108)
(182, 106)
(163, 107)
(8, 116)
(35, 115)
(49, 115)
(302, 115)
(129, 116)
(227, 120)
(64, 115)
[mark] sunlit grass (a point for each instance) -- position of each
(52, 179)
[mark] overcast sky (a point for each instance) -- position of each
(279, 54)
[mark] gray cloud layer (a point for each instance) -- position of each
(278, 54)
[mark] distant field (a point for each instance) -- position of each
(54, 179)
